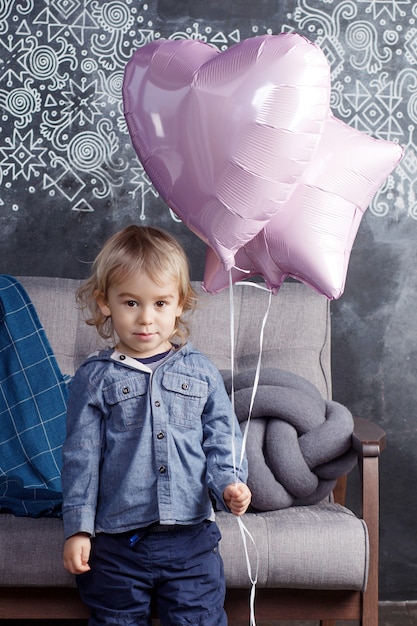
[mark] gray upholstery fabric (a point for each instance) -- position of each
(296, 336)
(70, 337)
(300, 547)
(31, 552)
(322, 546)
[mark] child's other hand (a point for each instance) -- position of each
(237, 497)
(76, 553)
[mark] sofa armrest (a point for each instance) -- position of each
(368, 438)
(369, 441)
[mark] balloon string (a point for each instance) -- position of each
(243, 530)
(244, 283)
(240, 269)
(232, 369)
(254, 579)
(258, 367)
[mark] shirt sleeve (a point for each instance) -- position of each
(222, 443)
(81, 457)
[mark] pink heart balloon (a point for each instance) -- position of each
(224, 136)
(311, 239)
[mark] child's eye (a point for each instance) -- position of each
(160, 304)
(132, 303)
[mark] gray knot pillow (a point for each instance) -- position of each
(298, 444)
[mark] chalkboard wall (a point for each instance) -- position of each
(70, 178)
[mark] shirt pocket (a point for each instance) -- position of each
(187, 398)
(127, 399)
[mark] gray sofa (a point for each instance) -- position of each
(323, 551)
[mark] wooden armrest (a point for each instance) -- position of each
(369, 441)
(368, 438)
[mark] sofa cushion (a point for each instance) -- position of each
(296, 337)
(298, 547)
(31, 552)
(70, 337)
(297, 334)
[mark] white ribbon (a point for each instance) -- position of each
(243, 530)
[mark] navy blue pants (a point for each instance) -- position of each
(181, 568)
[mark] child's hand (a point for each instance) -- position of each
(237, 498)
(76, 553)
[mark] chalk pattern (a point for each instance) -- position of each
(63, 135)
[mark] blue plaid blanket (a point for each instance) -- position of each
(33, 398)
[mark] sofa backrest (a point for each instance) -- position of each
(297, 332)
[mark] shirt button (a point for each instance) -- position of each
(122, 357)
(184, 386)
(157, 403)
(125, 389)
(162, 469)
(160, 435)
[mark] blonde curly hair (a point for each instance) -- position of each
(137, 249)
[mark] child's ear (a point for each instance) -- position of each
(102, 303)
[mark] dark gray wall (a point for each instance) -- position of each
(374, 364)
(69, 178)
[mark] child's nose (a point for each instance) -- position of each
(146, 315)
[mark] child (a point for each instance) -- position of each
(148, 446)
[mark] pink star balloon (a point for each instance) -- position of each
(224, 136)
(311, 238)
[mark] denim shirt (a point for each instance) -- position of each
(147, 446)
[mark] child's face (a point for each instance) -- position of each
(143, 314)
